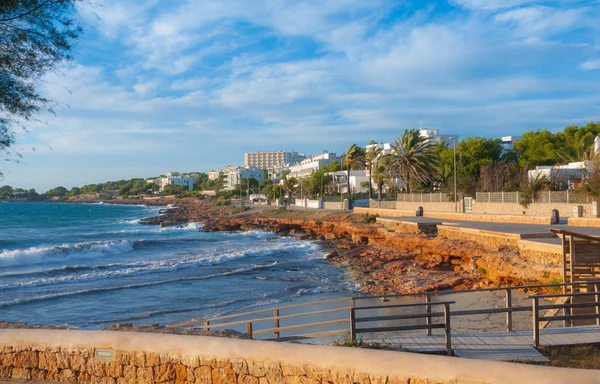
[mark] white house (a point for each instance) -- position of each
(175, 178)
(433, 135)
(233, 175)
(507, 143)
(357, 177)
(311, 164)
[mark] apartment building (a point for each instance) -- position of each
(311, 164)
(233, 175)
(271, 160)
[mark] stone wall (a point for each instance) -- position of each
(535, 209)
(124, 358)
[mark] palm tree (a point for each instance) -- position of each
(382, 175)
(355, 156)
(371, 156)
(290, 184)
(414, 158)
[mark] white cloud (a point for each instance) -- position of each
(490, 4)
(590, 65)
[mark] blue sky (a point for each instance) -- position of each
(162, 85)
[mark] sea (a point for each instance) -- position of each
(88, 266)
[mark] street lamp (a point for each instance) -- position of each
(455, 197)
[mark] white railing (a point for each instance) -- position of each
(433, 197)
(546, 197)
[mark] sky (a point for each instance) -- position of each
(163, 85)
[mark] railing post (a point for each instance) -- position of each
(502, 192)
(206, 325)
(536, 323)
(448, 331)
(509, 323)
(428, 309)
(597, 297)
(352, 324)
(276, 323)
(249, 329)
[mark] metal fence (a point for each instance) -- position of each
(547, 197)
(437, 197)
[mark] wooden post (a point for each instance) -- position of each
(597, 297)
(536, 323)
(249, 329)
(276, 323)
(448, 331)
(207, 325)
(428, 318)
(509, 324)
(352, 324)
(572, 273)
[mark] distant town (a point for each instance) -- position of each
(420, 160)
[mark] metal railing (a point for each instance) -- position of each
(433, 197)
(546, 197)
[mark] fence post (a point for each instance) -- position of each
(567, 195)
(597, 297)
(428, 318)
(249, 329)
(509, 324)
(536, 323)
(206, 325)
(517, 197)
(489, 197)
(502, 192)
(352, 324)
(549, 196)
(276, 323)
(448, 332)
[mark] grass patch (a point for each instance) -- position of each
(367, 219)
(573, 356)
(347, 342)
(483, 271)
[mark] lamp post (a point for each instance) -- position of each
(455, 197)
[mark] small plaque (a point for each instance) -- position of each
(104, 353)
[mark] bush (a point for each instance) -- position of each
(367, 218)
(221, 203)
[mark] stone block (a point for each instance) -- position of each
(62, 360)
(130, 372)
(318, 373)
(8, 359)
(145, 375)
(300, 380)
(209, 361)
(203, 375)
(38, 374)
(292, 370)
(84, 377)
(180, 372)
(163, 373)
(114, 369)
(103, 380)
(153, 359)
(223, 376)
(342, 377)
(77, 363)
(399, 380)
(5, 371)
(240, 367)
(67, 375)
(138, 359)
(123, 357)
(257, 369)
(48, 361)
(378, 379)
(246, 379)
(190, 375)
(190, 361)
(27, 359)
(21, 373)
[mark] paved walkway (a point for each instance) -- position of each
(501, 227)
(501, 346)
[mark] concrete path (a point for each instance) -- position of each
(502, 227)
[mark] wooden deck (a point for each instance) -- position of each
(502, 346)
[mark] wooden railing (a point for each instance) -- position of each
(275, 316)
(595, 304)
(352, 314)
(427, 326)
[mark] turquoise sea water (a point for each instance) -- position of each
(91, 265)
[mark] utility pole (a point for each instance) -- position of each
(455, 196)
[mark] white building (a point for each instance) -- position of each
(175, 178)
(357, 177)
(271, 160)
(232, 176)
(570, 174)
(508, 143)
(386, 148)
(213, 175)
(433, 135)
(311, 164)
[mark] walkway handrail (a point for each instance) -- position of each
(567, 315)
(428, 326)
